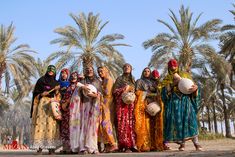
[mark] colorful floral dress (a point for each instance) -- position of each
(125, 114)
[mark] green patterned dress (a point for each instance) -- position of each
(180, 116)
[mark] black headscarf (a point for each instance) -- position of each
(45, 83)
(125, 79)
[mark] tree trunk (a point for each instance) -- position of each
(221, 125)
(198, 122)
(226, 116)
(214, 116)
(208, 118)
(234, 126)
(87, 61)
(2, 69)
(21, 137)
(1, 81)
(14, 134)
(185, 58)
(203, 122)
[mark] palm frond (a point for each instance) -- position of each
(207, 28)
(84, 38)
(228, 27)
(218, 64)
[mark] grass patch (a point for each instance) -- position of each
(210, 136)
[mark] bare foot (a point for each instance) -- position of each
(128, 151)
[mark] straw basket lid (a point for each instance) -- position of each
(153, 108)
(128, 97)
(92, 89)
(184, 85)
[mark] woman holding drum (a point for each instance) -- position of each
(148, 131)
(180, 123)
(85, 110)
(124, 101)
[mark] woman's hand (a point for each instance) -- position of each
(93, 95)
(176, 78)
(57, 87)
(193, 88)
(64, 104)
(85, 87)
(44, 93)
(129, 88)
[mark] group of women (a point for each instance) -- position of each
(93, 122)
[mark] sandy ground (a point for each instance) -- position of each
(211, 148)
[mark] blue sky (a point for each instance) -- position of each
(35, 21)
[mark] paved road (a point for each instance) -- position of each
(213, 148)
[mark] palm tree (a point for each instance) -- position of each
(16, 117)
(41, 66)
(15, 62)
(183, 40)
(227, 43)
(83, 46)
(4, 104)
(220, 69)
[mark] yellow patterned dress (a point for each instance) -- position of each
(45, 132)
(107, 131)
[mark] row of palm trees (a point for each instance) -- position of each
(190, 44)
(83, 45)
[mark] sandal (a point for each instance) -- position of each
(39, 151)
(111, 149)
(182, 147)
(198, 147)
(166, 147)
(51, 152)
(63, 152)
(84, 152)
(95, 152)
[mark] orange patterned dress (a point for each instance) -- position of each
(148, 129)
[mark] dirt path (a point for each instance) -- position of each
(212, 148)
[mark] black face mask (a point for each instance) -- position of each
(51, 68)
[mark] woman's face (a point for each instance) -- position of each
(101, 72)
(50, 73)
(64, 75)
(127, 69)
(173, 68)
(146, 73)
(74, 77)
(89, 72)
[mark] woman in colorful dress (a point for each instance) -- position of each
(106, 129)
(157, 121)
(45, 132)
(65, 102)
(64, 81)
(125, 113)
(180, 123)
(85, 112)
(148, 129)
